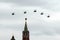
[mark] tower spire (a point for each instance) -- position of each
(13, 38)
(25, 28)
(25, 31)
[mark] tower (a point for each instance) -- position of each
(12, 38)
(25, 31)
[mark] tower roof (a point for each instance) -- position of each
(25, 28)
(13, 38)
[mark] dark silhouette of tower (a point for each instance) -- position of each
(25, 31)
(12, 38)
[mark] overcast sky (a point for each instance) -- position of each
(40, 27)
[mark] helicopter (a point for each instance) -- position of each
(13, 13)
(35, 11)
(42, 13)
(48, 16)
(25, 12)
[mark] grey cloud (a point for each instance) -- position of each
(48, 4)
(34, 2)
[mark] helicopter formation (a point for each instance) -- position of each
(33, 11)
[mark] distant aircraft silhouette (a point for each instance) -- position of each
(48, 16)
(25, 12)
(12, 13)
(42, 13)
(35, 11)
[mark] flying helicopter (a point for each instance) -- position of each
(35, 11)
(42, 13)
(48, 16)
(25, 12)
(13, 13)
